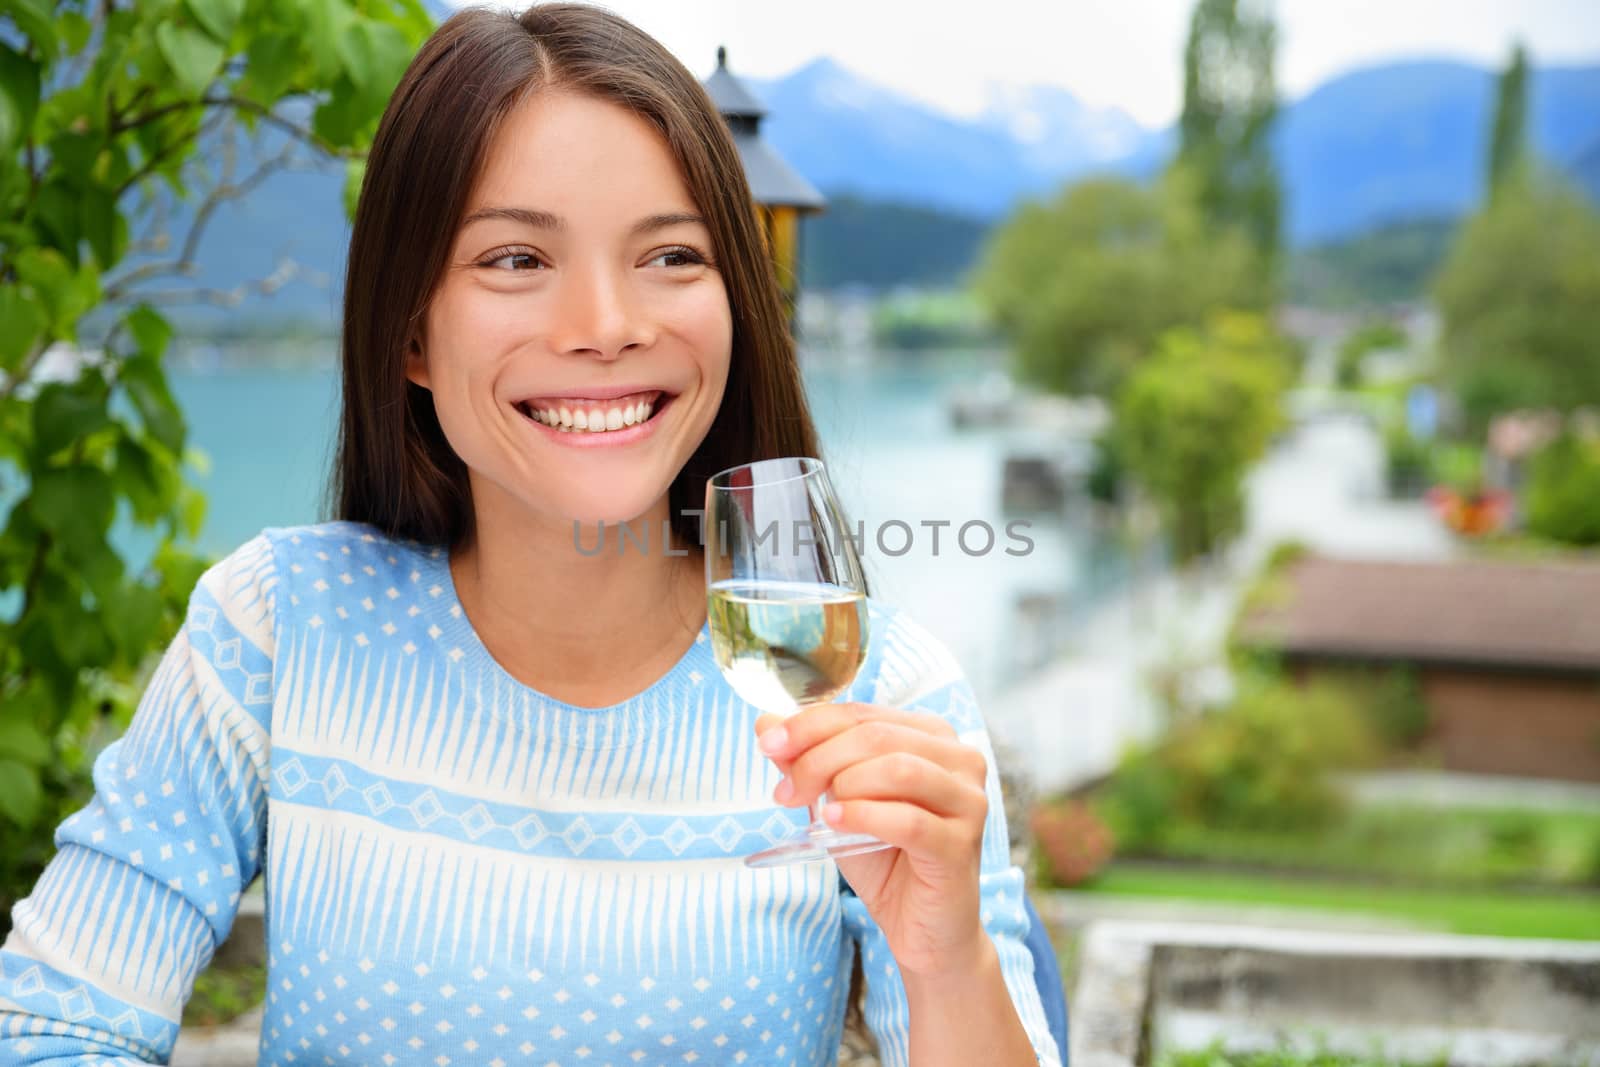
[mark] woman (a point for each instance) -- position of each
(497, 789)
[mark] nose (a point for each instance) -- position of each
(597, 314)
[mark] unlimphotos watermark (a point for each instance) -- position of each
(892, 537)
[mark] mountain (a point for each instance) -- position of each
(1409, 140)
(1377, 145)
(1373, 147)
(845, 133)
(882, 244)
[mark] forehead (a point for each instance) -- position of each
(582, 158)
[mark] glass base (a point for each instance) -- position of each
(819, 841)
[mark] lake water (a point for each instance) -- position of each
(886, 436)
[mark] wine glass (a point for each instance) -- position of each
(788, 609)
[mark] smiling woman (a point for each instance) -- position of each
(497, 789)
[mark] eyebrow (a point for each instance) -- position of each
(544, 220)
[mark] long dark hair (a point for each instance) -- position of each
(395, 469)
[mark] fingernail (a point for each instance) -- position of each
(773, 740)
(784, 792)
(832, 812)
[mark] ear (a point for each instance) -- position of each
(417, 365)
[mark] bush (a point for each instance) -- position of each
(1260, 763)
(1076, 842)
(1408, 463)
(1374, 336)
(1390, 700)
(1562, 499)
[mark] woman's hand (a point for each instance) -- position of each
(906, 778)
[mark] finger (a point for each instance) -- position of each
(816, 723)
(812, 770)
(912, 779)
(918, 831)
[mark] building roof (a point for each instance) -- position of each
(729, 93)
(1483, 613)
(772, 181)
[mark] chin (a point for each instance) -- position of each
(614, 508)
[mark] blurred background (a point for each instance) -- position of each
(1273, 328)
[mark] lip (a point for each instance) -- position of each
(597, 392)
(611, 438)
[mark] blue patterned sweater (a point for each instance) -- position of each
(457, 869)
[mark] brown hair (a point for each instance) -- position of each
(395, 469)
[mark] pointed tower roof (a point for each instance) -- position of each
(772, 180)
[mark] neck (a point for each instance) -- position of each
(591, 619)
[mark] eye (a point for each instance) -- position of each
(683, 252)
(501, 254)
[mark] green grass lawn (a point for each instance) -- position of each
(1217, 1057)
(222, 994)
(1473, 847)
(1565, 915)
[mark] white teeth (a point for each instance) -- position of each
(580, 419)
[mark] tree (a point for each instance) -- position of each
(1084, 285)
(1508, 140)
(1519, 300)
(1229, 108)
(1563, 491)
(1192, 420)
(102, 107)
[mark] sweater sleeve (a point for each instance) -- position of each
(146, 879)
(913, 670)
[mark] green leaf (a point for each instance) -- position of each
(133, 618)
(179, 571)
(63, 414)
(57, 209)
(74, 156)
(57, 289)
(323, 23)
(25, 322)
(355, 173)
(146, 386)
(22, 741)
(97, 220)
(20, 795)
(374, 54)
(192, 509)
(337, 118)
(219, 17)
(149, 483)
(65, 498)
(93, 558)
(19, 86)
(151, 331)
(191, 55)
(271, 62)
(75, 30)
(33, 18)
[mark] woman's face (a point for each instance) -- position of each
(578, 343)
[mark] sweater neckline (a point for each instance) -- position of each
(627, 722)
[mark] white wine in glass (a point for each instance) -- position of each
(788, 609)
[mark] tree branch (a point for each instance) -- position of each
(118, 289)
(239, 103)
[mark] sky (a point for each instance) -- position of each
(1121, 53)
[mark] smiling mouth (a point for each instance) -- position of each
(574, 415)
